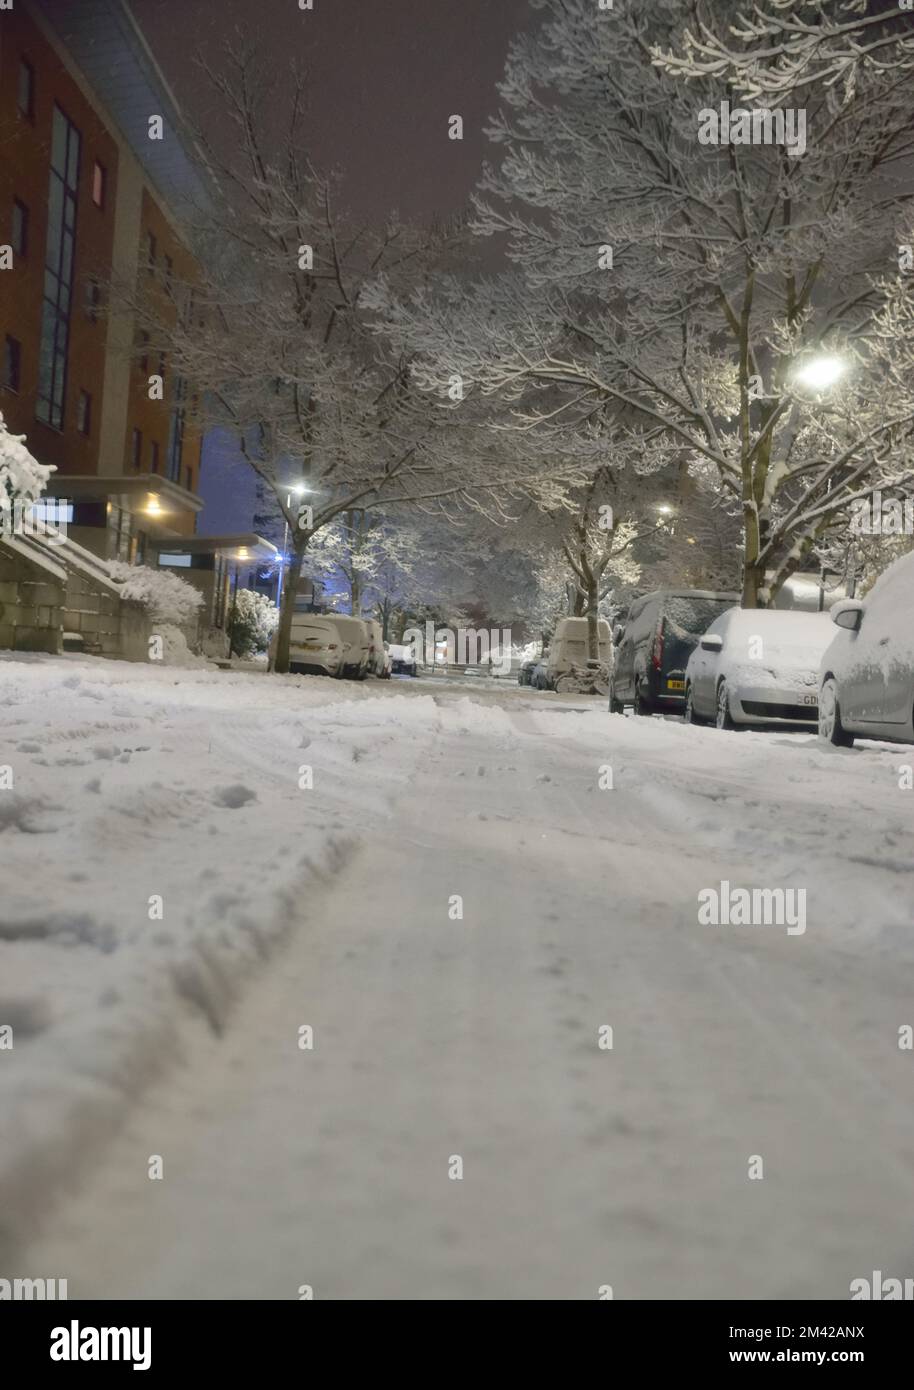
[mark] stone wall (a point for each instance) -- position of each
(31, 606)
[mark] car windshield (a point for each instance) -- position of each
(693, 615)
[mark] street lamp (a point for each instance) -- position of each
(299, 489)
(821, 372)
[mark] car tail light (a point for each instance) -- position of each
(657, 652)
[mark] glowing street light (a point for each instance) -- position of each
(664, 509)
(821, 372)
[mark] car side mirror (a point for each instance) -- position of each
(712, 642)
(848, 614)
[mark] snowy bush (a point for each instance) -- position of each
(22, 477)
(254, 621)
(165, 597)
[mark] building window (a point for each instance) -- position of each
(150, 253)
(12, 363)
(176, 430)
(84, 413)
(136, 450)
(58, 274)
(99, 184)
(154, 457)
(20, 228)
(26, 95)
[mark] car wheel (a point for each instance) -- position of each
(689, 714)
(831, 730)
(641, 704)
(724, 718)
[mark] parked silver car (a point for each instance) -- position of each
(866, 680)
(757, 666)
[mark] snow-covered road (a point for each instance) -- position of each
(436, 1036)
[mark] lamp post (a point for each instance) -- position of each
(299, 489)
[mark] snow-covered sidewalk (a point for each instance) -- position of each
(437, 1035)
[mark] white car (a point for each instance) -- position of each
(757, 666)
(403, 659)
(356, 644)
(867, 674)
(315, 646)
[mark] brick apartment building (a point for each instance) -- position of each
(88, 200)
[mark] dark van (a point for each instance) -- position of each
(654, 645)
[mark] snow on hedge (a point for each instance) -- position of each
(167, 598)
(22, 477)
(254, 620)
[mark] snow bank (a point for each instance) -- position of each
(156, 846)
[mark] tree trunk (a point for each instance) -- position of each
(593, 630)
(287, 608)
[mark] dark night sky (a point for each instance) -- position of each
(385, 76)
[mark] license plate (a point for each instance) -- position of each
(675, 685)
(809, 700)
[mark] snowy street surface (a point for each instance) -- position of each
(174, 1031)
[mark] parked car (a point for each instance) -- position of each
(402, 659)
(315, 646)
(568, 654)
(866, 679)
(659, 634)
(378, 660)
(757, 666)
(539, 676)
(356, 645)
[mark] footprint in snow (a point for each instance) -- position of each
(234, 796)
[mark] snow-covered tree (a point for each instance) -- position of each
(276, 340)
(725, 303)
(22, 478)
(777, 47)
(253, 622)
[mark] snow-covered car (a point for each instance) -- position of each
(378, 660)
(651, 650)
(539, 675)
(315, 646)
(356, 645)
(525, 673)
(757, 666)
(866, 686)
(403, 659)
